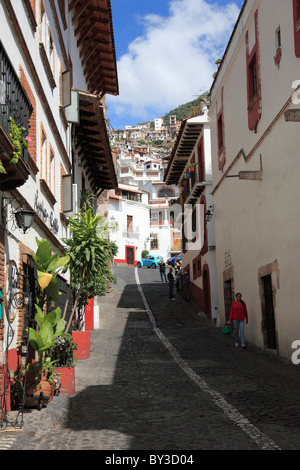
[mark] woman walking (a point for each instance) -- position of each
(238, 315)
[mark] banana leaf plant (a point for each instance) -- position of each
(49, 327)
(48, 265)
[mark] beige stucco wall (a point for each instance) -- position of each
(257, 222)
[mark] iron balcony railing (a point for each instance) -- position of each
(14, 101)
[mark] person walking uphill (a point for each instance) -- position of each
(238, 315)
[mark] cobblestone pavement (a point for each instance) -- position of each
(163, 378)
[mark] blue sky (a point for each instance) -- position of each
(166, 52)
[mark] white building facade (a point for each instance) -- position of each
(190, 167)
(256, 168)
(49, 89)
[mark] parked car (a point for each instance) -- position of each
(171, 261)
(151, 261)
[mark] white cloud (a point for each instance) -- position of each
(174, 60)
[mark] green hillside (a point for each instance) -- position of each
(183, 111)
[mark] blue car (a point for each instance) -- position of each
(171, 261)
(151, 261)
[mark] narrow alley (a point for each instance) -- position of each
(163, 378)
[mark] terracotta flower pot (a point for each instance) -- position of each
(39, 394)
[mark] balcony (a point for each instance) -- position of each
(131, 231)
(14, 104)
(194, 186)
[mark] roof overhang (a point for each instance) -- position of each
(92, 20)
(188, 135)
(92, 144)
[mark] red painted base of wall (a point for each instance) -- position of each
(13, 360)
(67, 379)
(83, 341)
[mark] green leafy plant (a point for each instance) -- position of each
(62, 351)
(90, 257)
(49, 327)
(48, 266)
(18, 140)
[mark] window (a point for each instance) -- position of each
(166, 192)
(51, 51)
(154, 242)
(278, 38)
(43, 26)
(43, 156)
(46, 46)
(201, 171)
(278, 52)
(253, 79)
(296, 12)
(51, 180)
(220, 137)
(129, 224)
(220, 133)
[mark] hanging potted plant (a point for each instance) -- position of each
(18, 141)
(192, 167)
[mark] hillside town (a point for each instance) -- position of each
(139, 208)
(214, 194)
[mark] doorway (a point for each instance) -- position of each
(268, 314)
(228, 297)
(206, 293)
(129, 255)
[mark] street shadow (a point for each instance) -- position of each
(151, 404)
(148, 404)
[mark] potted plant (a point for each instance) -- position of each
(63, 354)
(63, 345)
(90, 254)
(33, 386)
(19, 142)
(38, 379)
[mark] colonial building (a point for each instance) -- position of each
(127, 211)
(57, 63)
(190, 167)
(256, 167)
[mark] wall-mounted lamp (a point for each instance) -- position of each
(21, 217)
(24, 218)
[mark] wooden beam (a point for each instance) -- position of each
(72, 4)
(79, 12)
(292, 115)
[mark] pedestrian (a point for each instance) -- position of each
(186, 285)
(178, 274)
(171, 280)
(238, 315)
(162, 270)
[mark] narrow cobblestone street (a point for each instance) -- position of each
(163, 378)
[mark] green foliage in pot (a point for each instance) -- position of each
(49, 327)
(48, 266)
(18, 141)
(62, 351)
(90, 257)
